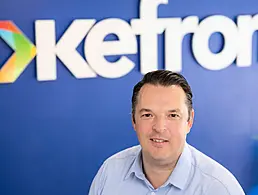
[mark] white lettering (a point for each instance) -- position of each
(148, 27)
(200, 42)
(65, 49)
(246, 28)
(96, 49)
(174, 35)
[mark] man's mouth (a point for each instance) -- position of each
(158, 140)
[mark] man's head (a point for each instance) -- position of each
(162, 114)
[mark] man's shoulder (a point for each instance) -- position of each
(212, 171)
(126, 153)
(124, 158)
(113, 170)
(207, 165)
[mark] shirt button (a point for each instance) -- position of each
(152, 193)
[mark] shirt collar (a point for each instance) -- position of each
(136, 167)
(178, 177)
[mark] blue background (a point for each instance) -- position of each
(54, 135)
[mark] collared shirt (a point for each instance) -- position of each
(194, 174)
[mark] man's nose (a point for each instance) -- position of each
(160, 124)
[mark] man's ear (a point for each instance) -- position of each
(133, 122)
(190, 122)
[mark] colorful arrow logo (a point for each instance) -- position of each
(24, 52)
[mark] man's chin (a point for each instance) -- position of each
(159, 156)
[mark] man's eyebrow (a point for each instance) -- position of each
(175, 110)
(145, 110)
(149, 110)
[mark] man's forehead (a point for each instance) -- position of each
(161, 98)
(169, 110)
(149, 90)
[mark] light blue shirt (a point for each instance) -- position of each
(194, 174)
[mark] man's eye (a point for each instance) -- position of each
(147, 115)
(173, 115)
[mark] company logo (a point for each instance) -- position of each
(237, 44)
(24, 52)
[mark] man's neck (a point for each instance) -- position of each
(158, 172)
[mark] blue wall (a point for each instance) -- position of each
(54, 135)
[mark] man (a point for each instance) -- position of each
(164, 163)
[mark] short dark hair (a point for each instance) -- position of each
(164, 78)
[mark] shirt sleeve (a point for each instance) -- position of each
(217, 187)
(98, 182)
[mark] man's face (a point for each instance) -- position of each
(161, 121)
